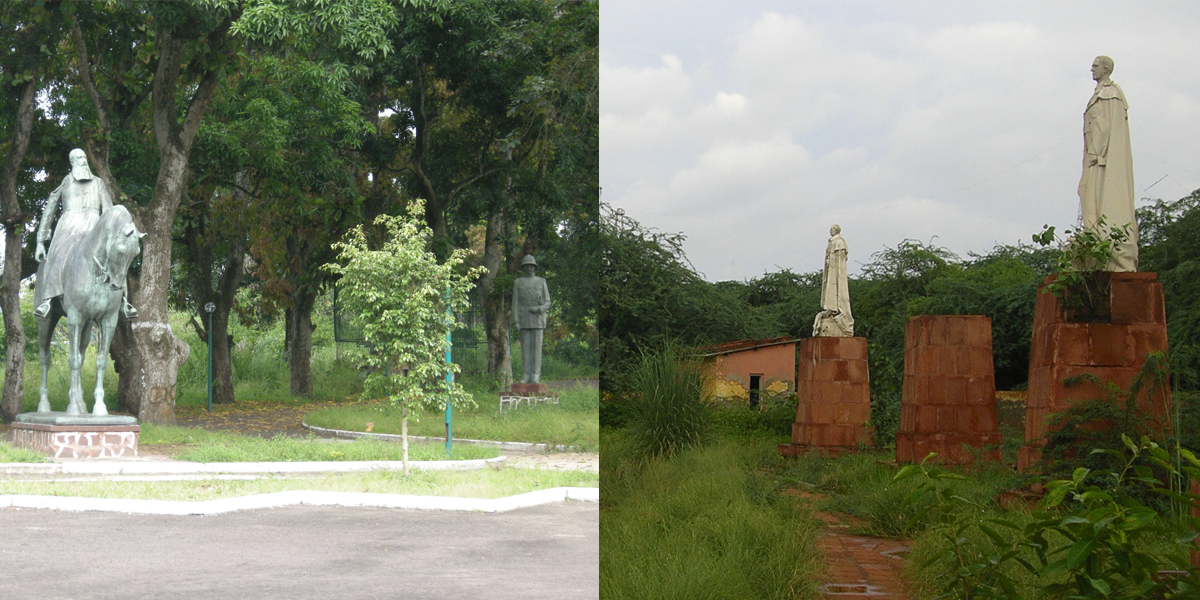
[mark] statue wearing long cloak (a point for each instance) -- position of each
(83, 201)
(835, 319)
(1106, 187)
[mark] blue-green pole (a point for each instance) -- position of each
(449, 374)
(210, 386)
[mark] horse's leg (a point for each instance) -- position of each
(75, 333)
(104, 335)
(45, 336)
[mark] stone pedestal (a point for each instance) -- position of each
(77, 436)
(1113, 352)
(949, 397)
(834, 394)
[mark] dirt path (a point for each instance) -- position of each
(857, 566)
(860, 566)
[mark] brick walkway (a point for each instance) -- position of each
(860, 566)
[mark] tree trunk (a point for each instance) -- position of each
(222, 348)
(496, 301)
(299, 335)
(151, 354)
(10, 282)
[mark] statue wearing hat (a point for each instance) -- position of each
(530, 303)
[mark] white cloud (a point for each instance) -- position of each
(967, 129)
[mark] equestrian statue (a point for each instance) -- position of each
(82, 276)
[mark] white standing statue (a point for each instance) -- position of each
(835, 319)
(1106, 187)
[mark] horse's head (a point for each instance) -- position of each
(122, 242)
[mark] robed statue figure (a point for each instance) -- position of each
(83, 198)
(835, 319)
(1106, 187)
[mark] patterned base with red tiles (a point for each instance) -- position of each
(834, 394)
(1113, 352)
(949, 396)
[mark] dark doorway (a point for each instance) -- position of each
(755, 385)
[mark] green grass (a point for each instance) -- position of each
(860, 484)
(484, 483)
(703, 523)
(574, 421)
(9, 454)
(208, 446)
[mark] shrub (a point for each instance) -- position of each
(774, 416)
(669, 410)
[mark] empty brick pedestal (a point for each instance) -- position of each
(1113, 352)
(834, 393)
(949, 390)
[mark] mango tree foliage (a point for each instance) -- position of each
(402, 297)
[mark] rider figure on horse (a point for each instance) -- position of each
(84, 198)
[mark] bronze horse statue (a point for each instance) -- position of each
(92, 296)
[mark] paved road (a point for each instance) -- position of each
(549, 552)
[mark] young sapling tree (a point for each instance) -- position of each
(402, 296)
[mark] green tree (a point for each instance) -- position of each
(1169, 244)
(30, 35)
(401, 294)
(176, 54)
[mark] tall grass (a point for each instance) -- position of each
(670, 412)
(703, 523)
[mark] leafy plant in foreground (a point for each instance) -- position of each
(1086, 541)
(1081, 280)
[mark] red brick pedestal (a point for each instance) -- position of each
(1113, 351)
(834, 393)
(949, 390)
(530, 389)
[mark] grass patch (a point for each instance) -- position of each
(9, 454)
(204, 446)
(484, 483)
(574, 421)
(706, 522)
(860, 484)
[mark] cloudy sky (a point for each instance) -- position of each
(751, 126)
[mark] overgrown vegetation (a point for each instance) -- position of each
(1086, 540)
(705, 522)
(1115, 519)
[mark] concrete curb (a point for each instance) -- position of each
(302, 497)
(189, 468)
(391, 437)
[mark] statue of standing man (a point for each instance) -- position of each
(835, 319)
(1106, 187)
(530, 303)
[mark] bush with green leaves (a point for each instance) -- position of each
(1087, 540)
(403, 297)
(1081, 280)
(773, 417)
